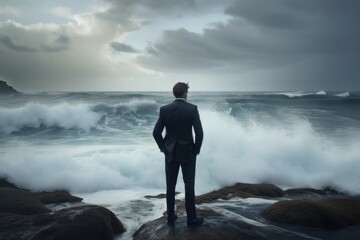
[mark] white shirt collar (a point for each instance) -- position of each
(180, 99)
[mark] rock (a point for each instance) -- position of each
(329, 213)
(5, 183)
(304, 191)
(214, 228)
(24, 216)
(20, 201)
(57, 197)
(243, 190)
(159, 196)
(311, 191)
(60, 196)
(180, 210)
(6, 89)
(84, 222)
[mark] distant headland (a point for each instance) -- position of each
(6, 89)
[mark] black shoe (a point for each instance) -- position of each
(195, 221)
(171, 219)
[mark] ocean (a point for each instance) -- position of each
(99, 145)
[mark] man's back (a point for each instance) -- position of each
(179, 117)
(178, 120)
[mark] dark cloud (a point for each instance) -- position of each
(9, 42)
(278, 44)
(121, 47)
(311, 43)
(60, 43)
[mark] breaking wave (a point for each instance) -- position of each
(35, 115)
(247, 139)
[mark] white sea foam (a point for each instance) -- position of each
(293, 94)
(299, 94)
(321, 93)
(294, 155)
(345, 94)
(34, 115)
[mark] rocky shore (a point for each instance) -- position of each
(324, 209)
(24, 215)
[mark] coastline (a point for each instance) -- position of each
(228, 212)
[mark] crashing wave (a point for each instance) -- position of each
(35, 115)
(345, 94)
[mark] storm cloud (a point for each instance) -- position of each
(311, 44)
(249, 45)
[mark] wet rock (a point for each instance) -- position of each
(6, 89)
(159, 196)
(85, 222)
(214, 228)
(24, 216)
(243, 190)
(57, 197)
(329, 213)
(304, 191)
(20, 201)
(312, 191)
(5, 183)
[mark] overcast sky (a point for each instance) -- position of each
(139, 45)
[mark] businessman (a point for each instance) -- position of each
(179, 118)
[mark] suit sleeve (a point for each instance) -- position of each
(157, 132)
(199, 135)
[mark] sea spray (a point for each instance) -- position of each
(293, 142)
(34, 115)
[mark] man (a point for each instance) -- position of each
(179, 117)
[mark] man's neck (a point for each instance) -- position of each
(180, 99)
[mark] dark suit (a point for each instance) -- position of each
(179, 117)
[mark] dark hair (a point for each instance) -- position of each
(179, 89)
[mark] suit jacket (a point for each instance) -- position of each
(179, 118)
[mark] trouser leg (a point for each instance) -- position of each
(188, 171)
(171, 170)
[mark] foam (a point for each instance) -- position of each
(300, 94)
(289, 155)
(34, 115)
(293, 155)
(345, 94)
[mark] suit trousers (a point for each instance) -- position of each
(188, 172)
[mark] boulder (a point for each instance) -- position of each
(79, 223)
(6, 89)
(329, 213)
(57, 197)
(243, 190)
(20, 201)
(214, 228)
(312, 191)
(5, 183)
(87, 222)
(23, 215)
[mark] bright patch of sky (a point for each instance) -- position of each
(44, 11)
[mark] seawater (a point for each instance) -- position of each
(99, 146)
(93, 141)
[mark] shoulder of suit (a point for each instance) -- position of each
(190, 104)
(182, 102)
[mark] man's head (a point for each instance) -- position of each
(180, 90)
